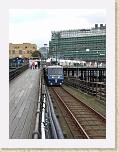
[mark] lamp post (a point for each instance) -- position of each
(76, 56)
(98, 55)
(97, 67)
(57, 46)
(97, 77)
(76, 64)
(87, 50)
(56, 53)
(45, 45)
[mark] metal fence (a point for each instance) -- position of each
(96, 89)
(47, 125)
(13, 72)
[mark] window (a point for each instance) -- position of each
(20, 51)
(23, 52)
(13, 51)
(28, 51)
(55, 71)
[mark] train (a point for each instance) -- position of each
(16, 60)
(54, 75)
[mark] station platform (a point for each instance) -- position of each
(23, 97)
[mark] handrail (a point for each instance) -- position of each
(15, 72)
(43, 118)
(54, 119)
(36, 133)
(53, 129)
(45, 114)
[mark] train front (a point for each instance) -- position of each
(55, 75)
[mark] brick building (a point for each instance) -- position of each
(21, 50)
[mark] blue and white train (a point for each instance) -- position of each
(54, 75)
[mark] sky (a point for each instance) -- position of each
(35, 25)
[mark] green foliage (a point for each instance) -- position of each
(36, 54)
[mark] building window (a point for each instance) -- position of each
(25, 47)
(20, 51)
(23, 52)
(13, 51)
(28, 51)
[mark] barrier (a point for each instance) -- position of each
(15, 72)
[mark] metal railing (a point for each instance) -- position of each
(43, 113)
(97, 89)
(16, 71)
(37, 134)
(47, 125)
(55, 127)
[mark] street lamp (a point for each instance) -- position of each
(45, 45)
(102, 55)
(56, 53)
(97, 78)
(98, 55)
(76, 55)
(57, 46)
(87, 50)
(97, 61)
(76, 64)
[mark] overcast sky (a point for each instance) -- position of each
(35, 26)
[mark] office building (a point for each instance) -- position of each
(83, 44)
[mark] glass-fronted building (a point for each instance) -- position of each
(83, 44)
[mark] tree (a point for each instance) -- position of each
(36, 54)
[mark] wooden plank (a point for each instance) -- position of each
(23, 104)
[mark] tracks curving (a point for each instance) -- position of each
(82, 121)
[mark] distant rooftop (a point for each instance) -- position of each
(101, 30)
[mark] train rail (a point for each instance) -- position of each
(82, 121)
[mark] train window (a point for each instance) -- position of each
(55, 71)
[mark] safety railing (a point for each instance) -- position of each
(16, 71)
(55, 126)
(37, 131)
(97, 89)
(47, 125)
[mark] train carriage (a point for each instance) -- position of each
(54, 75)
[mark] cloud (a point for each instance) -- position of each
(36, 25)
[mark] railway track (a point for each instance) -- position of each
(82, 121)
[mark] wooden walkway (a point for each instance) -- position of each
(23, 97)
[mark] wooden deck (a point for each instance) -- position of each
(23, 97)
